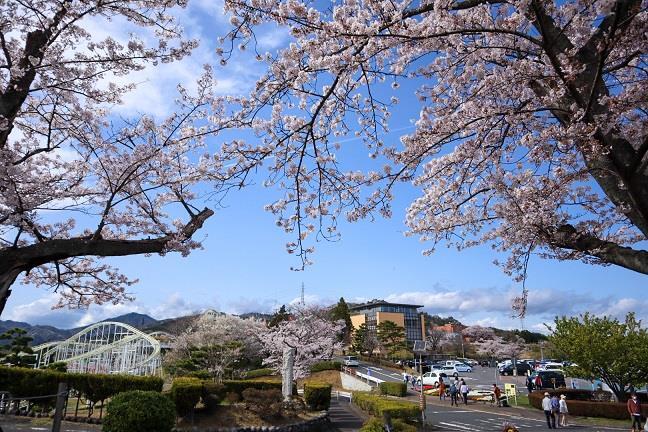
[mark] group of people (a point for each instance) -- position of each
(553, 406)
(456, 390)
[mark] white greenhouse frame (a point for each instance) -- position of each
(107, 347)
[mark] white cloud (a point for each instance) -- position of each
(40, 311)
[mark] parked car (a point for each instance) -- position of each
(432, 378)
(549, 379)
(449, 370)
(521, 367)
(462, 367)
(551, 366)
(350, 361)
(484, 363)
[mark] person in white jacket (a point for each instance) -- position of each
(546, 407)
(563, 411)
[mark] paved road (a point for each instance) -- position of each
(474, 419)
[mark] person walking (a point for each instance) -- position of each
(555, 410)
(464, 392)
(546, 407)
(562, 421)
(634, 409)
(453, 394)
(442, 389)
(498, 394)
(538, 382)
(529, 384)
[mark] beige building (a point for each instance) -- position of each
(377, 311)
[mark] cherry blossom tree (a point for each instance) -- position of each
(217, 343)
(309, 332)
(532, 135)
(478, 333)
(78, 182)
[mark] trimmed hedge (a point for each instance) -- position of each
(317, 395)
(142, 411)
(378, 405)
(256, 373)
(238, 386)
(22, 382)
(326, 365)
(185, 393)
(578, 404)
(393, 388)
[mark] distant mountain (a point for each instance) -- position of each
(39, 333)
(44, 333)
(137, 320)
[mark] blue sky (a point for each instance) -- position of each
(244, 266)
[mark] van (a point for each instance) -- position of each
(350, 361)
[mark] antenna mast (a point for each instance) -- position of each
(302, 294)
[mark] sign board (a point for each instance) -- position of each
(510, 390)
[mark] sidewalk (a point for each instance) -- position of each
(345, 417)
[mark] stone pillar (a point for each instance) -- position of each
(287, 373)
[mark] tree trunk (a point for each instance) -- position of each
(6, 280)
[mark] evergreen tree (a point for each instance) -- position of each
(392, 337)
(341, 312)
(17, 352)
(279, 316)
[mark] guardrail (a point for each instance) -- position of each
(369, 378)
(341, 394)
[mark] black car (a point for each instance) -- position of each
(548, 380)
(522, 369)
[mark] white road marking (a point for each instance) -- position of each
(458, 426)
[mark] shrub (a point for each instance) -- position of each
(57, 366)
(393, 388)
(212, 394)
(142, 411)
(326, 365)
(256, 373)
(200, 374)
(238, 386)
(377, 405)
(400, 426)
(317, 395)
(185, 393)
(374, 424)
(266, 403)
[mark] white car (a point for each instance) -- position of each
(350, 361)
(462, 367)
(432, 378)
(551, 367)
(450, 370)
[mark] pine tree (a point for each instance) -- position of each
(17, 352)
(341, 312)
(279, 316)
